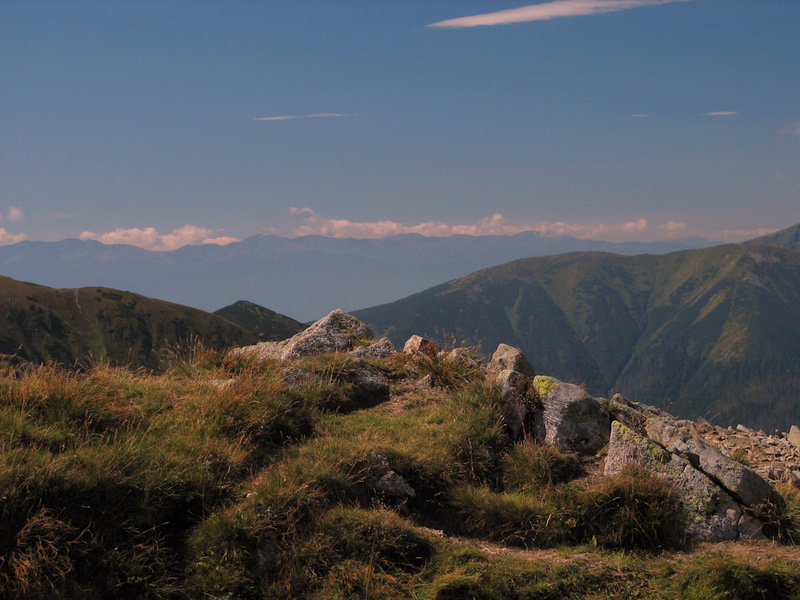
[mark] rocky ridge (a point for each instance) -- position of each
(723, 477)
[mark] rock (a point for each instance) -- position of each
(426, 382)
(709, 513)
(298, 377)
(509, 358)
(335, 332)
(393, 484)
(794, 436)
(380, 349)
(463, 356)
(742, 482)
(416, 344)
(370, 384)
(571, 419)
(632, 414)
(380, 477)
(516, 391)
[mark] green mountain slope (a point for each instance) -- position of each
(266, 324)
(785, 238)
(41, 324)
(712, 332)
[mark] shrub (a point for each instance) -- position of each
(530, 466)
(722, 577)
(519, 519)
(781, 515)
(631, 510)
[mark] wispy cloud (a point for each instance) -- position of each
(14, 214)
(740, 235)
(289, 117)
(548, 10)
(497, 224)
(150, 239)
(11, 238)
(721, 113)
(793, 130)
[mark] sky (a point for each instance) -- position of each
(165, 123)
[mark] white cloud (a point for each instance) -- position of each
(288, 117)
(548, 10)
(721, 113)
(497, 224)
(150, 239)
(10, 238)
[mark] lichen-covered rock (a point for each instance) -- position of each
(509, 358)
(570, 418)
(380, 349)
(709, 513)
(742, 482)
(632, 414)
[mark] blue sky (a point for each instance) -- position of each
(161, 123)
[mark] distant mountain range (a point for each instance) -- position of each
(71, 326)
(713, 332)
(303, 277)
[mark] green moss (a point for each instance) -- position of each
(545, 385)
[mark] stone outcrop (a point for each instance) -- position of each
(709, 513)
(571, 419)
(336, 332)
(720, 497)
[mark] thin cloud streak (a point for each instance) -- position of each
(721, 113)
(497, 224)
(150, 239)
(548, 10)
(290, 117)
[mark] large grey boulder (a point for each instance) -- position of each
(509, 358)
(742, 482)
(336, 332)
(570, 419)
(709, 513)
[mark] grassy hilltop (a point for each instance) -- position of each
(225, 478)
(41, 324)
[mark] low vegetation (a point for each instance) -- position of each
(221, 478)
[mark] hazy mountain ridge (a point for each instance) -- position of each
(72, 326)
(287, 274)
(712, 332)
